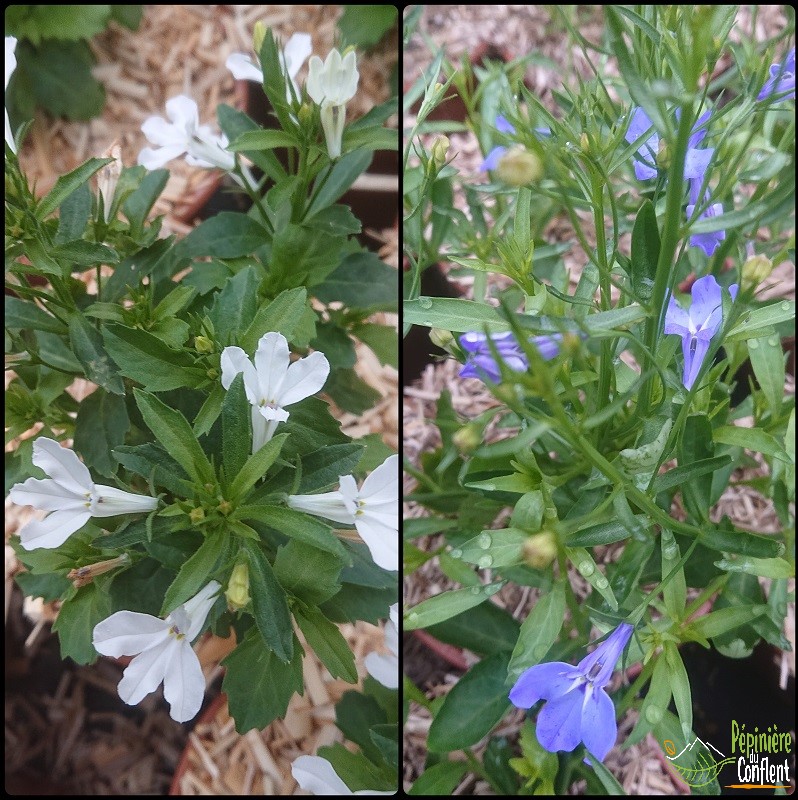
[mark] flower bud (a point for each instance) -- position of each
(468, 438)
(518, 166)
(237, 592)
(258, 35)
(584, 142)
(439, 151)
(663, 155)
(202, 344)
(540, 550)
(225, 507)
(305, 114)
(441, 337)
(196, 515)
(212, 373)
(755, 270)
(81, 576)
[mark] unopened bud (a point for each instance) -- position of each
(305, 114)
(202, 344)
(663, 155)
(441, 337)
(225, 507)
(439, 151)
(468, 438)
(212, 373)
(196, 515)
(518, 166)
(584, 142)
(85, 575)
(237, 592)
(108, 177)
(540, 550)
(258, 35)
(755, 270)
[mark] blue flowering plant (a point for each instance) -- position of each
(170, 404)
(632, 380)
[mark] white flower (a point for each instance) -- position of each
(295, 53)
(373, 510)
(272, 382)
(184, 134)
(331, 85)
(163, 653)
(317, 776)
(70, 494)
(11, 65)
(385, 669)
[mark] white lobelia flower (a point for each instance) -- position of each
(163, 653)
(317, 776)
(331, 85)
(11, 65)
(385, 669)
(373, 510)
(70, 495)
(295, 53)
(184, 134)
(272, 382)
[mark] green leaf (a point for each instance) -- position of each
(76, 620)
(236, 428)
(332, 183)
(584, 562)
(327, 642)
(87, 344)
(307, 572)
(84, 254)
(361, 281)
(296, 525)
(752, 438)
(101, 425)
(381, 339)
(195, 573)
(151, 461)
(172, 430)
(24, 314)
(731, 540)
(680, 686)
(607, 779)
(763, 567)
(233, 123)
(35, 23)
(725, 619)
(458, 316)
(645, 251)
(334, 342)
(485, 629)
(675, 591)
(538, 632)
(473, 706)
(60, 78)
(767, 360)
(226, 235)
(270, 604)
(138, 204)
(262, 140)
(356, 771)
(752, 323)
(73, 214)
(258, 684)
(129, 16)
(364, 26)
(147, 360)
(655, 704)
(141, 587)
(355, 715)
(604, 533)
(336, 219)
(133, 269)
(696, 445)
(680, 476)
(283, 314)
(495, 548)
(235, 306)
(256, 467)
(350, 391)
(445, 605)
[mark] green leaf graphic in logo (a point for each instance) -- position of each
(698, 767)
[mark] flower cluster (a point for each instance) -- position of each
(481, 363)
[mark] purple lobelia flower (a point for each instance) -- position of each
(577, 708)
(646, 157)
(481, 363)
(492, 159)
(782, 79)
(698, 325)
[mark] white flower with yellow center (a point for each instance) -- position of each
(70, 495)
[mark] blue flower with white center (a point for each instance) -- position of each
(577, 708)
(698, 325)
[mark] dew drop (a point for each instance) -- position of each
(670, 551)
(586, 569)
(457, 553)
(476, 589)
(602, 582)
(412, 616)
(785, 306)
(753, 344)
(425, 302)
(550, 512)
(492, 589)
(773, 341)
(485, 561)
(781, 549)
(484, 540)
(653, 714)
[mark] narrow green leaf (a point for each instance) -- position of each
(234, 307)
(696, 445)
(101, 425)
(752, 438)
(236, 428)
(66, 184)
(725, 619)
(447, 604)
(87, 344)
(675, 591)
(495, 548)
(680, 686)
(645, 251)
(256, 466)
(655, 704)
(327, 642)
(283, 314)
(584, 562)
(262, 140)
(439, 779)
(767, 360)
(195, 573)
(24, 314)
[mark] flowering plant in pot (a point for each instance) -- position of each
(612, 399)
(205, 485)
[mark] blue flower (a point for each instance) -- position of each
(782, 79)
(577, 708)
(646, 158)
(698, 325)
(481, 364)
(492, 159)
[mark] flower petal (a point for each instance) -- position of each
(183, 683)
(244, 68)
(198, 608)
(53, 530)
(235, 360)
(692, 366)
(183, 112)
(706, 294)
(271, 364)
(492, 159)
(381, 539)
(329, 505)
(146, 671)
(304, 378)
(599, 729)
(296, 52)
(696, 163)
(317, 776)
(503, 126)
(110, 502)
(155, 159)
(162, 133)
(47, 495)
(128, 633)
(382, 482)
(543, 682)
(62, 465)
(607, 653)
(383, 668)
(677, 320)
(559, 725)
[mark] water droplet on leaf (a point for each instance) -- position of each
(586, 568)
(485, 561)
(457, 553)
(484, 540)
(653, 714)
(602, 582)
(753, 344)
(425, 302)
(773, 341)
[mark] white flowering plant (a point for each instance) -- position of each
(615, 410)
(203, 483)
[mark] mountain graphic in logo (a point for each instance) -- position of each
(696, 762)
